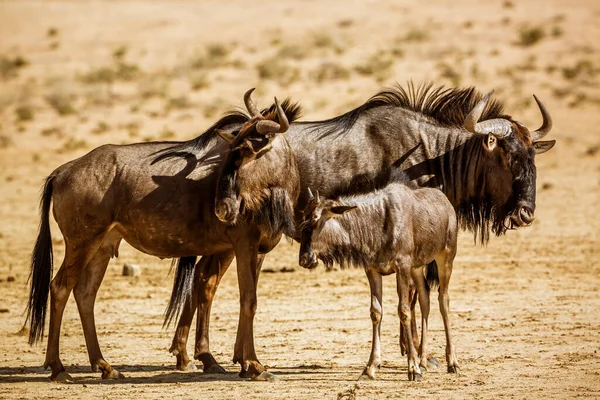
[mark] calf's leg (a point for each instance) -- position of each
(403, 286)
(445, 271)
(376, 287)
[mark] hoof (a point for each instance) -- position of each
(215, 369)
(366, 377)
(423, 368)
(265, 376)
(452, 369)
(62, 377)
(432, 363)
(189, 367)
(415, 377)
(113, 374)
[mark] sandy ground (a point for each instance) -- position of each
(525, 309)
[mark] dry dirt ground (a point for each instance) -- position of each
(525, 309)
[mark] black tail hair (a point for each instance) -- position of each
(41, 269)
(182, 288)
(431, 276)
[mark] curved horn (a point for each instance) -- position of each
(474, 115)
(250, 106)
(546, 124)
(498, 127)
(267, 126)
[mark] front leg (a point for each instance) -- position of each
(376, 287)
(246, 253)
(423, 295)
(403, 281)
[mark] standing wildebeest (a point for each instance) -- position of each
(396, 229)
(161, 200)
(486, 169)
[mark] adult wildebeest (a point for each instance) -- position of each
(396, 229)
(486, 169)
(161, 200)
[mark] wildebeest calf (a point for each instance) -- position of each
(398, 229)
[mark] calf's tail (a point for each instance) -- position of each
(431, 276)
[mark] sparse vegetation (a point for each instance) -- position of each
(449, 73)
(24, 113)
(530, 35)
(328, 71)
(294, 51)
(101, 127)
(166, 134)
(52, 32)
(9, 67)
(199, 80)
(180, 102)
(378, 65)
(213, 56)
(61, 102)
(74, 144)
(278, 70)
(53, 131)
(416, 35)
(153, 86)
(582, 69)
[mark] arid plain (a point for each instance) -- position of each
(525, 309)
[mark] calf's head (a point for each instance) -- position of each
(510, 176)
(250, 143)
(314, 216)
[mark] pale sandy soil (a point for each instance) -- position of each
(525, 309)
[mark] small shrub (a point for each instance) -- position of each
(329, 71)
(294, 52)
(322, 39)
(448, 72)
(213, 56)
(61, 102)
(557, 32)
(104, 75)
(119, 53)
(583, 68)
(74, 144)
(153, 86)
(24, 113)
(166, 134)
(127, 72)
(53, 131)
(416, 35)
(52, 32)
(530, 35)
(278, 70)
(180, 102)
(199, 80)
(101, 127)
(9, 67)
(378, 65)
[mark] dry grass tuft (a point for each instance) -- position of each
(24, 113)
(378, 65)
(9, 67)
(530, 35)
(274, 68)
(329, 71)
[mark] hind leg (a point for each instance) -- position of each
(444, 263)
(85, 295)
(61, 286)
(423, 295)
(376, 287)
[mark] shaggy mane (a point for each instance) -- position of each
(447, 106)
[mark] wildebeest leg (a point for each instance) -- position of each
(61, 286)
(208, 280)
(444, 263)
(238, 349)
(403, 285)
(246, 254)
(423, 295)
(85, 296)
(376, 314)
(413, 325)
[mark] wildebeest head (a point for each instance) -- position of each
(510, 144)
(314, 216)
(252, 141)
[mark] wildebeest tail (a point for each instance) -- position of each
(182, 288)
(41, 269)
(431, 276)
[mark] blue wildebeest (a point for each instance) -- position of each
(454, 139)
(160, 198)
(396, 229)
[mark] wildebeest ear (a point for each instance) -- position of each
(227, 136)
(339, 210)
(543, 146)
(490, 142)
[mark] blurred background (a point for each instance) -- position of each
(78, 74)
